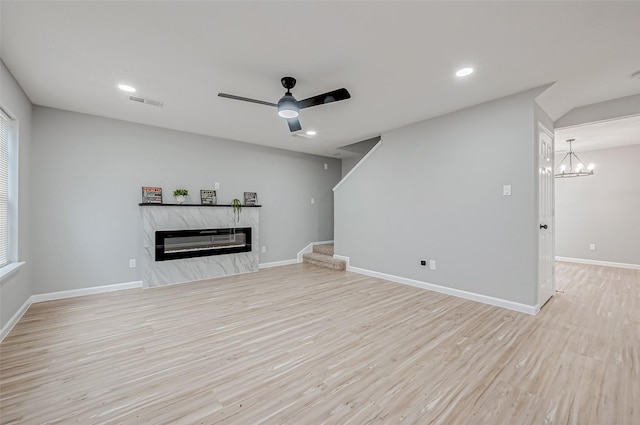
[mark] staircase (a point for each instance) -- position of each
(322, 256)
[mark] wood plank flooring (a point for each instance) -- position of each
(305, 345)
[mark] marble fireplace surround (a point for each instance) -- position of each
(187, 217)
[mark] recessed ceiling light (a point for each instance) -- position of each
(464, 72)
(311, 133)
(128, 89)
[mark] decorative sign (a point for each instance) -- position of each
(208, 197)
(250, 198)
(151, 195)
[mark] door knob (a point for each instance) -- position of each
(543, 226)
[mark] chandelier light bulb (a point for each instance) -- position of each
(591, 167)
(563, 167)
(579, 167)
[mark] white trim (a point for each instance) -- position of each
(15, 319)
(9, 269)
(599, 263)
(355, 167)
(277, 264)
(485, 299)
(309, 248)
(85, 291)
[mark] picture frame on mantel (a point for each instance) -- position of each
(151, 195)
(208, 197)
(250, 199)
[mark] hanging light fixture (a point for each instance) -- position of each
(573, 167)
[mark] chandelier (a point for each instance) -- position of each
(573, 167)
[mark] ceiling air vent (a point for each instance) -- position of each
(147, 101)
(302, 135)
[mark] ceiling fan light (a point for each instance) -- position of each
(288, 106)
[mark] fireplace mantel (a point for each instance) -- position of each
(196, 205)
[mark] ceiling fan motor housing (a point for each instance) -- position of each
(288, 82)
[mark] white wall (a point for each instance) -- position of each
(603, 209)
(434, 190)
(17, 288)
(88, 173)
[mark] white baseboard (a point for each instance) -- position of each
(61, 295)
(309, 248)
(277, 264)
(85, 291)
(599, 263)
(485, 299)
(14, 319)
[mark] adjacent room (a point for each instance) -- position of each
(281, 212)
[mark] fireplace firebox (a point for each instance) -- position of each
(176, 244)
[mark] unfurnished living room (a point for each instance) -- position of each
(320, 212)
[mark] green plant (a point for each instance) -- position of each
(180, 192)
(237, 208)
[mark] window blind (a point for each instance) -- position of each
(4, 188)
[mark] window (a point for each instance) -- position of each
(4, 188)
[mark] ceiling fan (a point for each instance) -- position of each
(289, 107)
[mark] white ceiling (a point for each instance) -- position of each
(599, 135)
(396, 58)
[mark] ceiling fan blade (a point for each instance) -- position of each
(246, 99)
(294, 124)
(321, 99)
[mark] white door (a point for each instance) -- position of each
(546, 255)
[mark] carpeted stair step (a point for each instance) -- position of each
(324, 260)
(326, 249)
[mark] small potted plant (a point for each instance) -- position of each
(180, 195)
(237, 208)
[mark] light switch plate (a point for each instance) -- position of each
(506, 190)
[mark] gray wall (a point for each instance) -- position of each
(17, 288)
(434, 190)
(603, 209)
(349, 163)
(88, 173)
(602, 111)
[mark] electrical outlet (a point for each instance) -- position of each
(264, 249)
(132, 263)
(432, 264)
(216, 186)
(313, 201)
(592, 247)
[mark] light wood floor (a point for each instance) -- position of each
(304, 345)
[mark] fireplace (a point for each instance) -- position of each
(177, 244)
